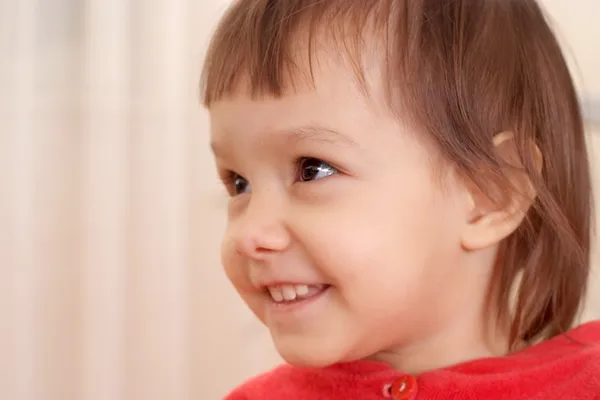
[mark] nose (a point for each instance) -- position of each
(260, 230)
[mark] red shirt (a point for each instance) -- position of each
(559, 368)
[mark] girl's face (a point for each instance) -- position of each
(340, 237)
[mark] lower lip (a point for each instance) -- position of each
(293, 306)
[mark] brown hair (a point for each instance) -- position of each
(462, 71)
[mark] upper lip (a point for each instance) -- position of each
(271, 283)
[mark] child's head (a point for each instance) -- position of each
(416, 168)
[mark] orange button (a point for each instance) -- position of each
(404, 388)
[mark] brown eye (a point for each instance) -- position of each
(234, 183)
(312, 169)
(240, 185)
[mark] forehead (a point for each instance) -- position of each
(334, 101)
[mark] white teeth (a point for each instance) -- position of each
(276, 293)
(293, 292)
(301, 290)
(289, 292)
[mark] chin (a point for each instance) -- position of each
(306, 360)
(306, 356)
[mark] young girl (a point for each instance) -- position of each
(410, 198)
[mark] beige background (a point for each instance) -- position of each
(110, 211)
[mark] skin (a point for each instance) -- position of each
(408, 263)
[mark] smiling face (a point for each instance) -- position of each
(340, 237)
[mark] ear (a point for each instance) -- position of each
(490, 220)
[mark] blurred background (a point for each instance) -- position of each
(110, 210)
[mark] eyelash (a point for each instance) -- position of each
(229, 178)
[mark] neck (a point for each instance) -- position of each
(462, 342)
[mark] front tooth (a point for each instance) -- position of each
(289, 293)
(276, 294)
(301, 290)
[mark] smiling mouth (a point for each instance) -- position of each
(294, 293)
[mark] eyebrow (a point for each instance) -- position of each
(320, 133)
(306, 132)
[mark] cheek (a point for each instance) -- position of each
(384, 245)
(231, 260)
(353, 238)
(236, 269)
